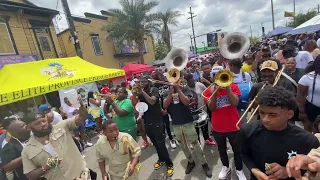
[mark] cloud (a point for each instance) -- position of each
(228, 15)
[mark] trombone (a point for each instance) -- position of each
(222, 79)
(256, 109)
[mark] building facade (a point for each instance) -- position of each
(27, 30)
(97, 48)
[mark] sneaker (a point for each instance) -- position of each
(190, 167)
(89, 144)
(158, 165)
(170, 171)
(145, 144)
(207, 170)
(173, 144)
(210, 142)
(241, 175)
(225, 171)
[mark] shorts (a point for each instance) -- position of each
(79, 128)
(312, 111)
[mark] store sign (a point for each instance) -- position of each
(15, 59)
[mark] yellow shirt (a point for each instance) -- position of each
(246, 68)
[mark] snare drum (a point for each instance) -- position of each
(244, 98)
(200, 119)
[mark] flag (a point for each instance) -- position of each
(289, 14)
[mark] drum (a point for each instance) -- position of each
(244, 98)
(200, 119)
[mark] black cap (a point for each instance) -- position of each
(32, 116)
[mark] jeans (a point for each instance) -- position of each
(186, 135)
(166, 124)
(221, 140)
(205, 132)
(155, 133)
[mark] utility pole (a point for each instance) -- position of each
(272, 14)
(318, 8)
(194, 38)
(294, 10)
(72, 28)
(251, 31)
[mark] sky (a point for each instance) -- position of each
(211, 15)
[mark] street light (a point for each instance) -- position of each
(204, 44)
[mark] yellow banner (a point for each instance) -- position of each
(26, 80)
(289, 14)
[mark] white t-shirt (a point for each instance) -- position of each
(56, 118)
(307, 80)
(238, 78)
(302, 59)
(69, 111)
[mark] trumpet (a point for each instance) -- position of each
(135, 88)
(222, 79)
(254, 99)
(180, 82)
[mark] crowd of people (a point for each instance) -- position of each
(279, 77)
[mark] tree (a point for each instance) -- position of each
(301, 18)
(161, 49)
(132, 22)
(166, 19)
(254, 39)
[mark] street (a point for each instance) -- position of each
(149, 157)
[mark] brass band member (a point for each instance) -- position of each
(51, 151)
(178, 103)
(268, 144)
(120, 151)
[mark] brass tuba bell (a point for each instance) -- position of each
(234, 45)
(176, 60)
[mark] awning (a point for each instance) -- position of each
(131, 69)
(26, 80)
(312, 25)
(278, 31)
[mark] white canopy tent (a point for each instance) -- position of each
(313, 21)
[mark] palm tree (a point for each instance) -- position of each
(166, 19)
(132, 22)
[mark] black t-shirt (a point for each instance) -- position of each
(283, 82)
(12, 150)
(153, 114)
(260, 146)
(181, 114)
(208, 78)
(296, 75)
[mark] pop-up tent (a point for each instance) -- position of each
(278, 31)
(30, 79)
(311, 25)
(131, 69)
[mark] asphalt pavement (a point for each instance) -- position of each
(149, 157)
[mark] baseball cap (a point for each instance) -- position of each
(216, 69)
(44, 107)
(32, 116)
(269, 64)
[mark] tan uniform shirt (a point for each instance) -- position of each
(119, 156)
(35, 154)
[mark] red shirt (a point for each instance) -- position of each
(225, 117)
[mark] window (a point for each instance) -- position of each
(145, 45)
(44, 43)
(41, 30)
(6, 45)
(96, 45)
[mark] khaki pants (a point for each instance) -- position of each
(188, 139)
